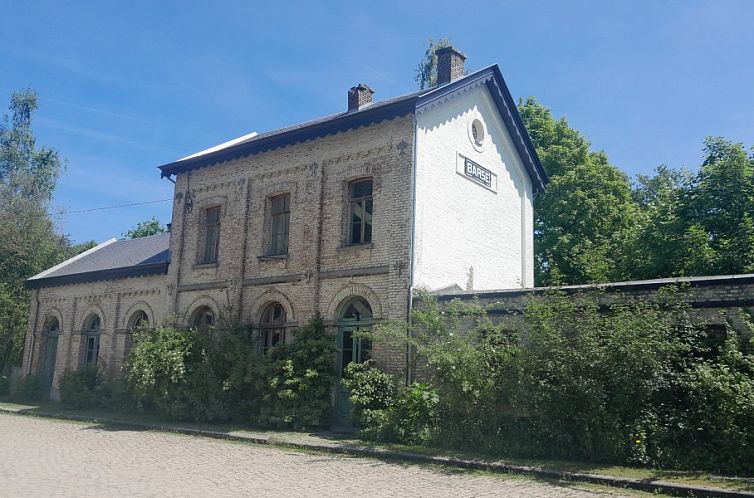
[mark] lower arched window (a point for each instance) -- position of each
(203, 318)
(91, 340)
(272, 326)
(139, 320)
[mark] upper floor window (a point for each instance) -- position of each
(280, 215)
(360, 212)
(91, 344)
(272, 326)
(212, 235)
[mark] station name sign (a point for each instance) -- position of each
(477, 173)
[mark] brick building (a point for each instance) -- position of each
(342, 216)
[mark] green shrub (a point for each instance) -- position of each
(372, 392)
(191, 374)
(84, 388)
(387, 413)
(640, 383)
(27, 389)
(299, 381)
(4, 385)
(221, 374)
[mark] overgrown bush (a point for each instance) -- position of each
(299, 381)
(27, 389)
(190, 374)
(387, 413)
(221, 374)
(639, 383)
(85, 388)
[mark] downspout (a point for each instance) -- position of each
(412, 242)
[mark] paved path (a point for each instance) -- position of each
(42, 457)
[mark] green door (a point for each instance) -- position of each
(351, 348)
(48, 367)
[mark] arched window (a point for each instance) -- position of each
(52, 327)
(357, 309)
(272, 326)
(203, 318)
(91, 341)
(139, 320)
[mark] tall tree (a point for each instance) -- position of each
(426, 71)
(145, 229)
(28, 241)
(660, 242)
(720, 205)
(586, 214)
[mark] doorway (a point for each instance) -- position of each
(351, 348)
(52, 331)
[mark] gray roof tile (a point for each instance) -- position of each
(127, 253)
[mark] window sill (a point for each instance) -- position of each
(356, 247)
(277, 257)
(202, 266)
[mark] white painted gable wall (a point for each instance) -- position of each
(459, 223)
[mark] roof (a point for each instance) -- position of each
(110, 260)
(374, 113)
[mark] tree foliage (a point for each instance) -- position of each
(587, 212)
(145, 229)
(28, 240)
(593, 225)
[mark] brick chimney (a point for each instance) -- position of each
(359, 96)
(449, 64)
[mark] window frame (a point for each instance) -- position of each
(272, 329)
(92, 335)
(361, 202)
(210, 252)
(278, 236)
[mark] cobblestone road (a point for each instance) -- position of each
(42, 457)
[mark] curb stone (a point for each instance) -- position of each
(665, 487)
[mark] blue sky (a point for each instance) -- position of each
(127, 86)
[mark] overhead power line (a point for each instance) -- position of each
(108, 207)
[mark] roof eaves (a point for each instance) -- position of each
(327, 126)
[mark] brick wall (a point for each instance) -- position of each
(114, 301)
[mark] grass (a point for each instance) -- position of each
(695, 478)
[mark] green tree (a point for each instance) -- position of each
(426, 71)
(28, 241)
(720, 205)
(145, 229)
(587, 213)
(696, 224)
(658, 242)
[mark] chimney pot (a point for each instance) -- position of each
(359, 96)
(449, 64)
